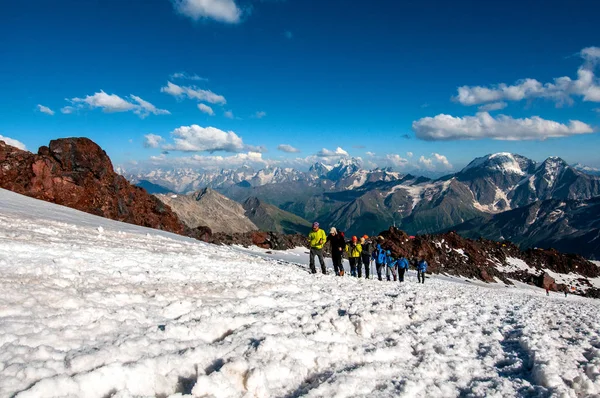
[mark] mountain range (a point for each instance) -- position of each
(361, 201)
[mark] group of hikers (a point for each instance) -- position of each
(361, 253)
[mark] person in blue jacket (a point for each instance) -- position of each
(380, 259)
(402, 268)
(391, 266)
(421, 269)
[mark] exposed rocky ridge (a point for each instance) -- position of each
(271, 218)
(77, 173)
(491, 261)
(210, 209)
(265, 240)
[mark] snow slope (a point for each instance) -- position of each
(95, 308)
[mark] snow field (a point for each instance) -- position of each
(94, 308)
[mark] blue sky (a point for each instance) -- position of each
(378, 80)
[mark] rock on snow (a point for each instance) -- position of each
(93, 308)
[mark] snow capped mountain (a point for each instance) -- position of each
(346, 174)
(319, 169)
(503, 162)
(586, 169)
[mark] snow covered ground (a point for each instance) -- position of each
(94, 308)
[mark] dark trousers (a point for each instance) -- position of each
(421, 276)
(337, 262)
(379, 270)
(401, 272)
(319, 253)
(354, 264)
(366, 258)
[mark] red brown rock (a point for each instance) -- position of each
(77, 173)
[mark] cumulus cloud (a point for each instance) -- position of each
(67, 110)
(228, 114)
(288, 148)
(494, 106)
(371, 154)
(185, 76)
(144, 108)
(253, 159)
(13, 142)
(326, 153)
(483, 125)
(397, 160)
(561, 89)
(219, 10)
(435, 162)
(45, 109)
(260, 114)
(206, 109)
(409, 154)
(152, 140)
(111, 103)
(192, 92)
(195, 138)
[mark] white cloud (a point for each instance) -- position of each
(288, 148)
(561, 89)
(425, 163)
(195, 138)
(152, 140)
(206, 109)
(13, 142)
(253, 159)
(185, 76)
(228, 114)
(494, 106)
(371, 154)
(144, 108)
(483, 125)
(193, 93)
(409, 154)
(219, 10)
(45, 109)
(436, 162)
(326, 153)
(397, 160)
(108, 102)
(111, 103)
(67, 110)
(260, 114)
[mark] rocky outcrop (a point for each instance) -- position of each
(490, 261)
(265, 240)
(209, 208)
(77, 173)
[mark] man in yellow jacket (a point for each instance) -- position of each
(354, 250)
(316, 240)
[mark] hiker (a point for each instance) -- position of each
(421, 269)
(354, 250)
(316, 240)
(402, 268)
(390, 262)
(547, 292)
(379, 256)
(365, 256)
(337, 241)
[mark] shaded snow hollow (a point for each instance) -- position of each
(94, 308)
